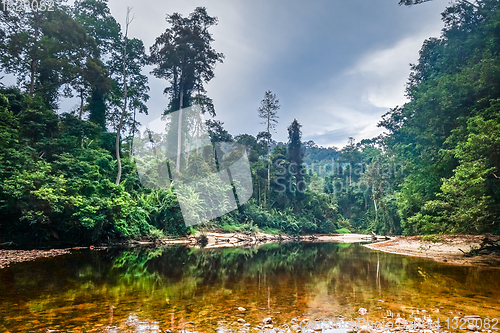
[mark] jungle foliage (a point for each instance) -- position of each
(435, 170)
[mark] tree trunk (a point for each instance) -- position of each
(131, 150)
(34, 62)
(32, 79)
(268, 156)
(268, 170)
(124, 109)
(81, 105)
(179, 128)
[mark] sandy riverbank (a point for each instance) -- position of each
(10, 256)
(446, 249)
(215, 240)
(443, 249)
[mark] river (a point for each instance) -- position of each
(176, 287)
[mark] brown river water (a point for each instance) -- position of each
(153, 290)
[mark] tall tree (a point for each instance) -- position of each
(96, 19)
(46, 50)
(217, 132)
(453, 81)
(21, 52)
(120, 55)
(268, 111)
(124, 105)
(295, 151)
(184, 56)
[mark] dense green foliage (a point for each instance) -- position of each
(447, 135)
(437, 170)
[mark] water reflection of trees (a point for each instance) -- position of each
(204, 286)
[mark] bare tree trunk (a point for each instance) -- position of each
(268, 169)
(124, 108)
(258, 182)
(179, 128)
(81, 105)
(268, 157)
(131, 152)
(34, 62)
(32, 79)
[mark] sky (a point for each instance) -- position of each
(335, 65)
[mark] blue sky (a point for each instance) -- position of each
(335, 65)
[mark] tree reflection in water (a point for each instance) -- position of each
(179, 287)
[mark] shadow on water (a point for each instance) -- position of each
(176, 287)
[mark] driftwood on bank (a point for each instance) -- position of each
(487, 246)
(244, 239)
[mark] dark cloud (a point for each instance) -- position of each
(332, 63)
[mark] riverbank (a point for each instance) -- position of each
(11, 256)
(213, 240)
(238, 239)
(444, 248)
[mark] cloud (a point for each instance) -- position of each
(384, 73)
(353, 101)
(336, 66)
(339, 136)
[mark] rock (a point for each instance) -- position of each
(362, 311)
(267, 321)
(268, 326)
(241, 309)
(247, 325)
(400, 321)
(472, 317)
(365, 330)
(241, 320)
